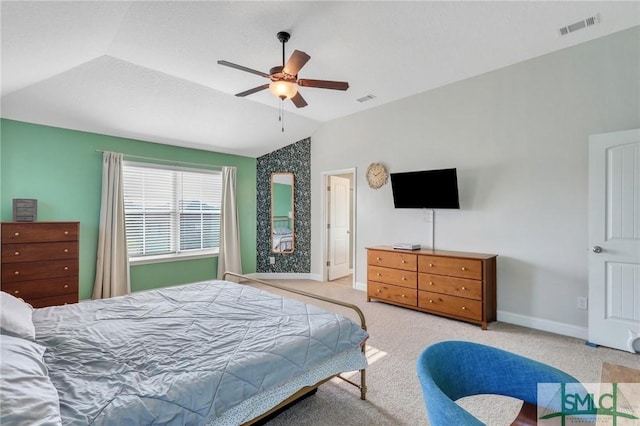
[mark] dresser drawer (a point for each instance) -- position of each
(450, 305)
(457, 267)
(392, 276)
(393, 293)
(12, 253)
(462, 287)
(405, 261)
(30, 232)
(40, 288)
(43, 302)
(26, 271)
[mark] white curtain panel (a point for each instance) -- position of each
(112, 265)
(229, 256)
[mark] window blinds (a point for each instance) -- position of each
(171, 211)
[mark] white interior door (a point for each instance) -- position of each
(339, 220)
(614, 238)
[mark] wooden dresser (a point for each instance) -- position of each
(454, 284)
(40, 262)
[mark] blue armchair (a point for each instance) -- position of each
(451, 370)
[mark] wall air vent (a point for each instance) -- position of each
(365, 98)
(592, 20)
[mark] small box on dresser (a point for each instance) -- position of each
(458, 285)
(40, 262)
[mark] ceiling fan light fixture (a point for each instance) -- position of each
(283, 89)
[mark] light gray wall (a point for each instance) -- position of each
(519, 139)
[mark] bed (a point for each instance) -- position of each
(209, 353)
(282, 234)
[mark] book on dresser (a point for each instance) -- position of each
(40, 262)
(458, 285)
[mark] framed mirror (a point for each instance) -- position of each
(282, 213)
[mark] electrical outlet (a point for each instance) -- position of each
(272, 260)
(582, 303)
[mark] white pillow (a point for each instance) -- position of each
(28, 396)
(15, 317)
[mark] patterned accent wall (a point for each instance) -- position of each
(296, 159)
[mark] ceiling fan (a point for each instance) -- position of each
(284, 79)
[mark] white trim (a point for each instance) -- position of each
(506, 317)
(360, 286)
(544, 325)
(283, 276)
(173, 257)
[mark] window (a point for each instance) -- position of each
(171, 212)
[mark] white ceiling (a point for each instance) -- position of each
(148, 70)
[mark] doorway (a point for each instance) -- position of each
(614, 240)
(339, 225)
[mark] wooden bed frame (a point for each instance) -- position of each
(307, 389)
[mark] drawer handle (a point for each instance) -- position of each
(378, 274)
(463, 268)
(16, 273)
(464, 308)
(66, 250)
(430, 300)
(66, 232)
(16, 292)
(404, 278)
(66, 286)
(463, 288)
(404, 295)
(431, 265)
(378, 291)
(17, 234)
(17, 253)
(404, 261)
(430, 282)
(378, 258)
(66, 268)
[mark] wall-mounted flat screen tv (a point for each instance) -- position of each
(426, 189)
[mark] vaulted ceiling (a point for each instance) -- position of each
(149, 71)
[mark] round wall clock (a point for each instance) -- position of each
(376, 175)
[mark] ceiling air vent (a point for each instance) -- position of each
(580, 25)
(365, 98)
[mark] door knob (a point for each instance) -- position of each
(597, 249)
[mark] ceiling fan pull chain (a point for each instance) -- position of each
(282, 114)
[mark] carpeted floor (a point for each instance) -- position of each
(398, 336)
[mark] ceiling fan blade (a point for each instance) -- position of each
(299, 101)
(251, 91)
(241, 68)
(296, 62)
(324, 84)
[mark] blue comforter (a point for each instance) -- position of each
(182, 355)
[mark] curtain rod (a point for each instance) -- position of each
(163, 159)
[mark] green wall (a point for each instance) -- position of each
(282, 203)
(63, 171)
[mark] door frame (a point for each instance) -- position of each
(324, 201)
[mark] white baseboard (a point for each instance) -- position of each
(361, 286)
(544, 325)
(503, 316)
(283, 276)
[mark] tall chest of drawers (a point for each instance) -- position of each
(458, 285)
(40, 262)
